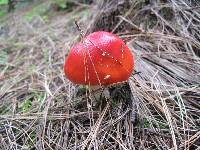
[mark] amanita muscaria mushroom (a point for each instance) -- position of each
(101, 58)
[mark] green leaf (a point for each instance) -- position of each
(3, 2)
(45, 18)
(62, 5)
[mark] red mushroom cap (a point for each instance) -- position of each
(101, 58)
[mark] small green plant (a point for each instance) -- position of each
(39, 10)
(26, 105)
(64, 4)
(146, 123)
(40, 97)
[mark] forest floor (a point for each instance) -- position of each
(158, 108)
